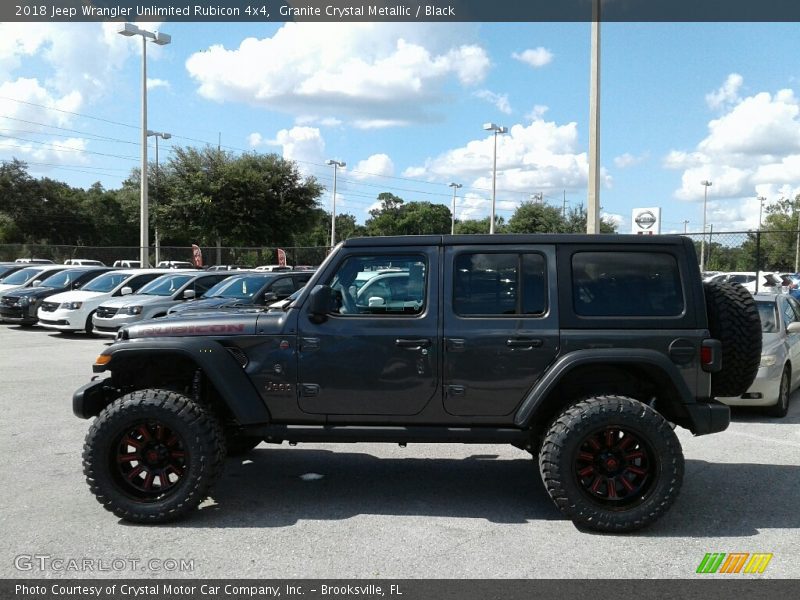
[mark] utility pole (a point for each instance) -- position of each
(797, 242)
(593, 200)
(455, 186)
(564, 206)
(685, 226)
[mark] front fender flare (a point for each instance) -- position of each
(229, 379)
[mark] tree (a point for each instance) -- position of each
(531, 217)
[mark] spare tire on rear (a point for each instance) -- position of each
(733, 320)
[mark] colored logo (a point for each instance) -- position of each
(734, 562)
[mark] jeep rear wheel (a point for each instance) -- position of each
(611, 464)
(733, 320)
(152, 456)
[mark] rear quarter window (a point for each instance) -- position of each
(626, 284)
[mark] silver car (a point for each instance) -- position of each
(779, 374)
(153, 300)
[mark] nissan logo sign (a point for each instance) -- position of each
(645, 220)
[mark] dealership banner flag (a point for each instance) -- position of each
(281, 257)
(197, 256)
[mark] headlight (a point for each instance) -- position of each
(71, 305)
(133, 310)
(768, 360)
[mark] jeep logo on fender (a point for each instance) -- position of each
(191, 330)
(646, 220)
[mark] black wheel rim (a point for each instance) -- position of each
(149, 460)
(615, 467)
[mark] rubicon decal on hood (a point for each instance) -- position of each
(171, 330)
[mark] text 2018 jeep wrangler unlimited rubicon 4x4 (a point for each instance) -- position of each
(583, 350)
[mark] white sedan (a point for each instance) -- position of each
(779, 373)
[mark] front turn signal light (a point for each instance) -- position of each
(103, 359)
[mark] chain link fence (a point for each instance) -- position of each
(249, 257)
(750, 251)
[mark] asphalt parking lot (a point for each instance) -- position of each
(372, 510)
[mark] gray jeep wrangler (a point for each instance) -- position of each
(585, 351)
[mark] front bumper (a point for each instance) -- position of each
(91, 398)
(110, 327)
(63, 320)
(18, 314)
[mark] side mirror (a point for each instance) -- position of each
(320, 303)
(126, 291)
(793, 327)
(376, 301)
(188, 294)
(270, 297)
(76, 285)
(36, 283)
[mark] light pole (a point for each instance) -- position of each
(706, 184)
(336, 164)
(761, 200)
(162, 39)
(538, 197)
(685, 226)
(496, 129)
(455, 186)
(163, 136)
(593, 199)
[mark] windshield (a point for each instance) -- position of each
(768, 315)
(62, 278)
(166, 285)
(22, 276)
(106, 283)
(241, 288)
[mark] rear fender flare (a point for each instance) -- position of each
(597, 356)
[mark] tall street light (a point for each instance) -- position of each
(162, 39)
(336, 164)
(497, 129)
(455, 186)
(761, 200)
(593, 199)
(706, 184)
(163, 136)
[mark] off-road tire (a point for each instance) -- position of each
(200, 441)
(733, 319)
(781, 409)
(561, 464)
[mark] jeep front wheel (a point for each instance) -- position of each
(152, 456)
(611, 464)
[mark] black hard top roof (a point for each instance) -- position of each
(515, 239)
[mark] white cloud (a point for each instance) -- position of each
(303, 144)
(542, 156)
(727, 93)
(153, 84)
(380, 74)
(537, 112)
(375, 165)
(499, 100)
(535, 57)
(255, 139)
(616, 219)
(752, 149)
(628, 160)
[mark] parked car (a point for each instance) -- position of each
(84, 262)
(251, 289)
(272, 268)
(779, 373)
(7, 269)
(174, 264)
(28, 276)
(34, 261)
(153, 300)
(73, 311)
(227, 268)
(21, 306)
(128, 264)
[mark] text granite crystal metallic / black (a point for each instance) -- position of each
(586, 351)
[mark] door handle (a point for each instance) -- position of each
(412, 344)
(525, 343)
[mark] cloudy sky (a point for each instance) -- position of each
(404, 105)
